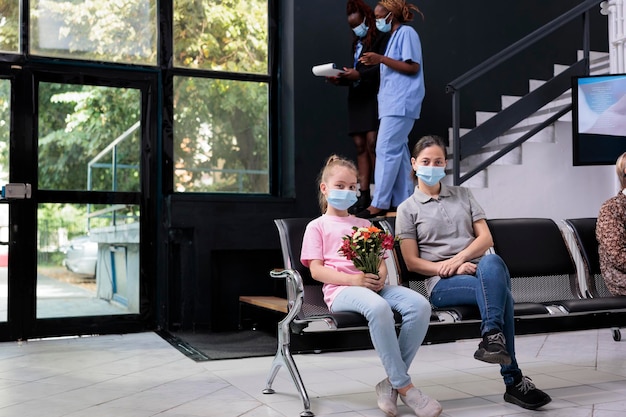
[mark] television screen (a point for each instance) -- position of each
(599, 119)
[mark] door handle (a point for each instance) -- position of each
(16, 191)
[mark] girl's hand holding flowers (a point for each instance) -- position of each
(370, 281)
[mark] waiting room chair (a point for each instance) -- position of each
(542, 270)
(584, 232)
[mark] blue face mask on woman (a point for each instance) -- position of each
(430, 175)
(382, 25)
(361, 30)
(341, 199)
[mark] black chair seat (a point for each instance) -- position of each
(593, 304)
(348, 320)
(529, 309)
(462, 312)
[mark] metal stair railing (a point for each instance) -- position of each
(472, 142)
(113, 166)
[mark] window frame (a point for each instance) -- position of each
(271, 78)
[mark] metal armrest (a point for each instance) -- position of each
(294, 287)
(295, 294)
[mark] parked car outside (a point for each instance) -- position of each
(81, 256)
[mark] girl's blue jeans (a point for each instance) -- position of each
(396, 352)
(490, 290)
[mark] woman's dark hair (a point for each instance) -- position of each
(427, 142)
(359, 6)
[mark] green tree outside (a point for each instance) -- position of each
(221, 141)
(9, 25)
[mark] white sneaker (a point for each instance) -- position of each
(387, 397)
(421, 404)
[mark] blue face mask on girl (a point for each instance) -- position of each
(361, 30)
(382, 25)
(341, 199)
(430, 175)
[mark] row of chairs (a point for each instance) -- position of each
(552, 291)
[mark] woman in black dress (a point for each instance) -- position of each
(362, 81)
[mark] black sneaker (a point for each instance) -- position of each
(526, 395)
(493, 349)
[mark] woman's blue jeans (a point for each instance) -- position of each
(396, 352)
(490, 290)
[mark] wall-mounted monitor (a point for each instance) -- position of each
(599, 119)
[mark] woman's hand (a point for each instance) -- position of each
(332, 80)
(370, 281)
(467, 268)
(449, 267)
(350, 74)
(455, 266)
(371, 58)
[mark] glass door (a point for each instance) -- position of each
(82, 140)
(5, 134)
(89, 142)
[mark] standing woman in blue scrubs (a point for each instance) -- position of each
(400, 98)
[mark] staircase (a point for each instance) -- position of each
(599, 64)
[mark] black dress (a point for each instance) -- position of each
(362, 94)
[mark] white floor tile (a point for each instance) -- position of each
(141, 375)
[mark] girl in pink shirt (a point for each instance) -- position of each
(348, 289)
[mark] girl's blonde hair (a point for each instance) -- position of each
(620, 166)
(332, 162)
(401, 9)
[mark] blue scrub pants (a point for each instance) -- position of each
(490, 290)
(396, 352)
(392, 174)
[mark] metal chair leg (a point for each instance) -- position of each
(283, 357)
(617, 334)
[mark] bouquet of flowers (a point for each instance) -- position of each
(365, 247)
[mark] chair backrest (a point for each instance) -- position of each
(291, 233)
(407, 278)
(534, 249)
(584, 232)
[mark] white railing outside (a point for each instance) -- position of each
(616, 11)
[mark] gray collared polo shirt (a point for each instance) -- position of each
(442, 227)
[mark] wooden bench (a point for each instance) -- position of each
(268, 302)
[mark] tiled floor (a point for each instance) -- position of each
(141, 375)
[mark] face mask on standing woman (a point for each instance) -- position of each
(383, 25)
(361, 30)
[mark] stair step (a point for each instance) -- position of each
(535, 84)
(544, 136)
(477, 181)
(599, 62)
(462, 131)
(535, 118)
(514, 157)
(559, 68)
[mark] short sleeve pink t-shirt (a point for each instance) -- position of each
(322, 239)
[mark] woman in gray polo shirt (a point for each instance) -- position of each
(444, 235)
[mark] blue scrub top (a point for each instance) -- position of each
(400, 94)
